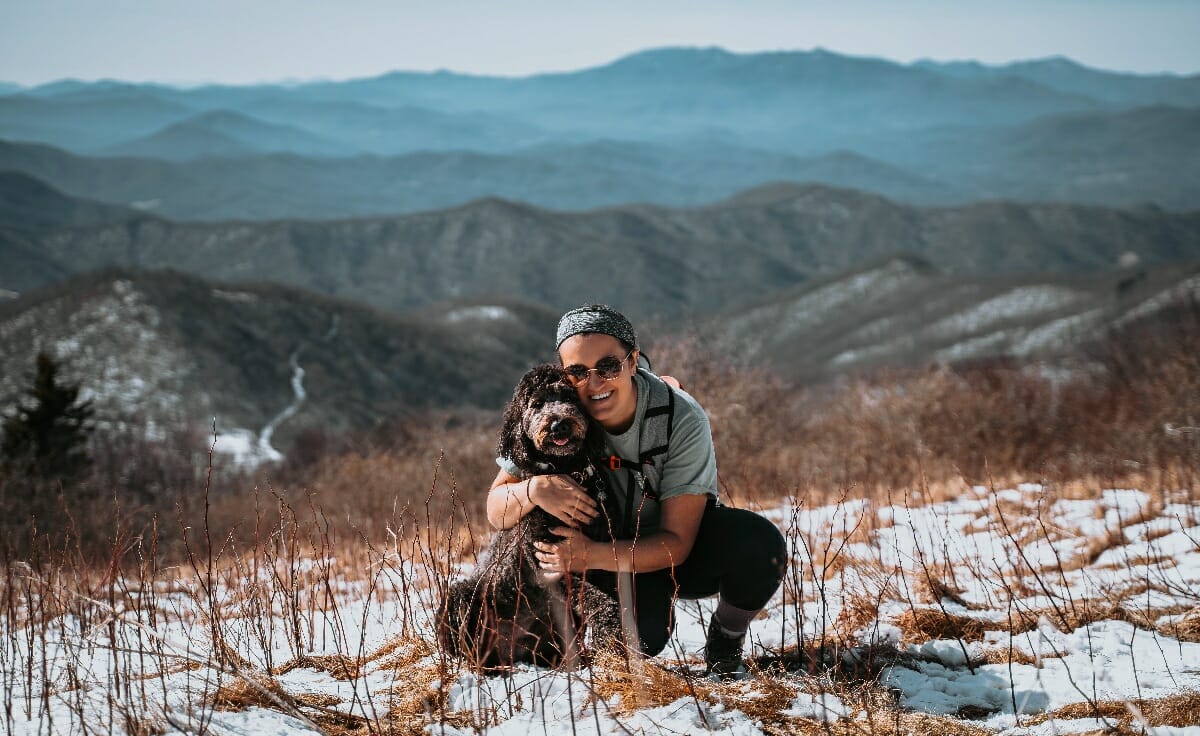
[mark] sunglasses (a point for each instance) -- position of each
(607, 368)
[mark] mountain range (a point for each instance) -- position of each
(655, 261)
(667, 126)
(902, 311)
(335, 254)
(177, 351)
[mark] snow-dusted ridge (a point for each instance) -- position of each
(143, 373)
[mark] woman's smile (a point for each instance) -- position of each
(610, 401)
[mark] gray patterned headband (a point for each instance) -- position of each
(598, 318)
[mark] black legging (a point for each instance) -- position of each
(737, 553)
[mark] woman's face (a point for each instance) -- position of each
(612, 403)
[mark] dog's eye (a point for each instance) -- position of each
(538, 404)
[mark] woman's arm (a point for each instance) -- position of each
(510, 498)
(668, 547)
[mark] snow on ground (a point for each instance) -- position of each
(1000, 607)
(244, 447)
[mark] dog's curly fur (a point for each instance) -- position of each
(509, 610)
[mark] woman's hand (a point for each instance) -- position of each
(568, 555)
(563, 498)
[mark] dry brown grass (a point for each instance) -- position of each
(1178, 710)
(397, 654)
(867, 567)
(935, 583)
(1154, 534)
(923, 624)
(1151, 561)
(1185, 629)
(337, 666)
(317, 700)
(1080, 613)
(925, 435)
(997, 655)
(420, 700)
(401, 653)
(643, 683)
(1093, 548)
(646, 684)
(942, 490)
(261, 692)
(858, 610)
(883, 723)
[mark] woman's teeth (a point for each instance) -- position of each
(600, 397)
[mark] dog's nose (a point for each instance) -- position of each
(558, 428)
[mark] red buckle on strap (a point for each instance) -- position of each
(614, 462)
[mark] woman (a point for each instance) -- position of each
(672, 537)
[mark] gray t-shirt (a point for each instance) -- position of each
(690, 465)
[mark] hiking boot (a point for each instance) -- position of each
(722, 653)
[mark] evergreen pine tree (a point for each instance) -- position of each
(47, 440)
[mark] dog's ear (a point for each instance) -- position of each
(593, 442)
(513, 444)
(511, 432)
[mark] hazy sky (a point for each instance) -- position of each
(249, 40)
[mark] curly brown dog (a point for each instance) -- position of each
(509, 611)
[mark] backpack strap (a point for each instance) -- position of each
(657, 426)
(655, 438)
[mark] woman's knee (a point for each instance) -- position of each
(755, 562)
(776, 549)
(758, 539)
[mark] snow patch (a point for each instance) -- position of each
(244, 447)
(464, 314)
(1020, 302)
(1056, 332)
(241, 297)
(820, 707)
